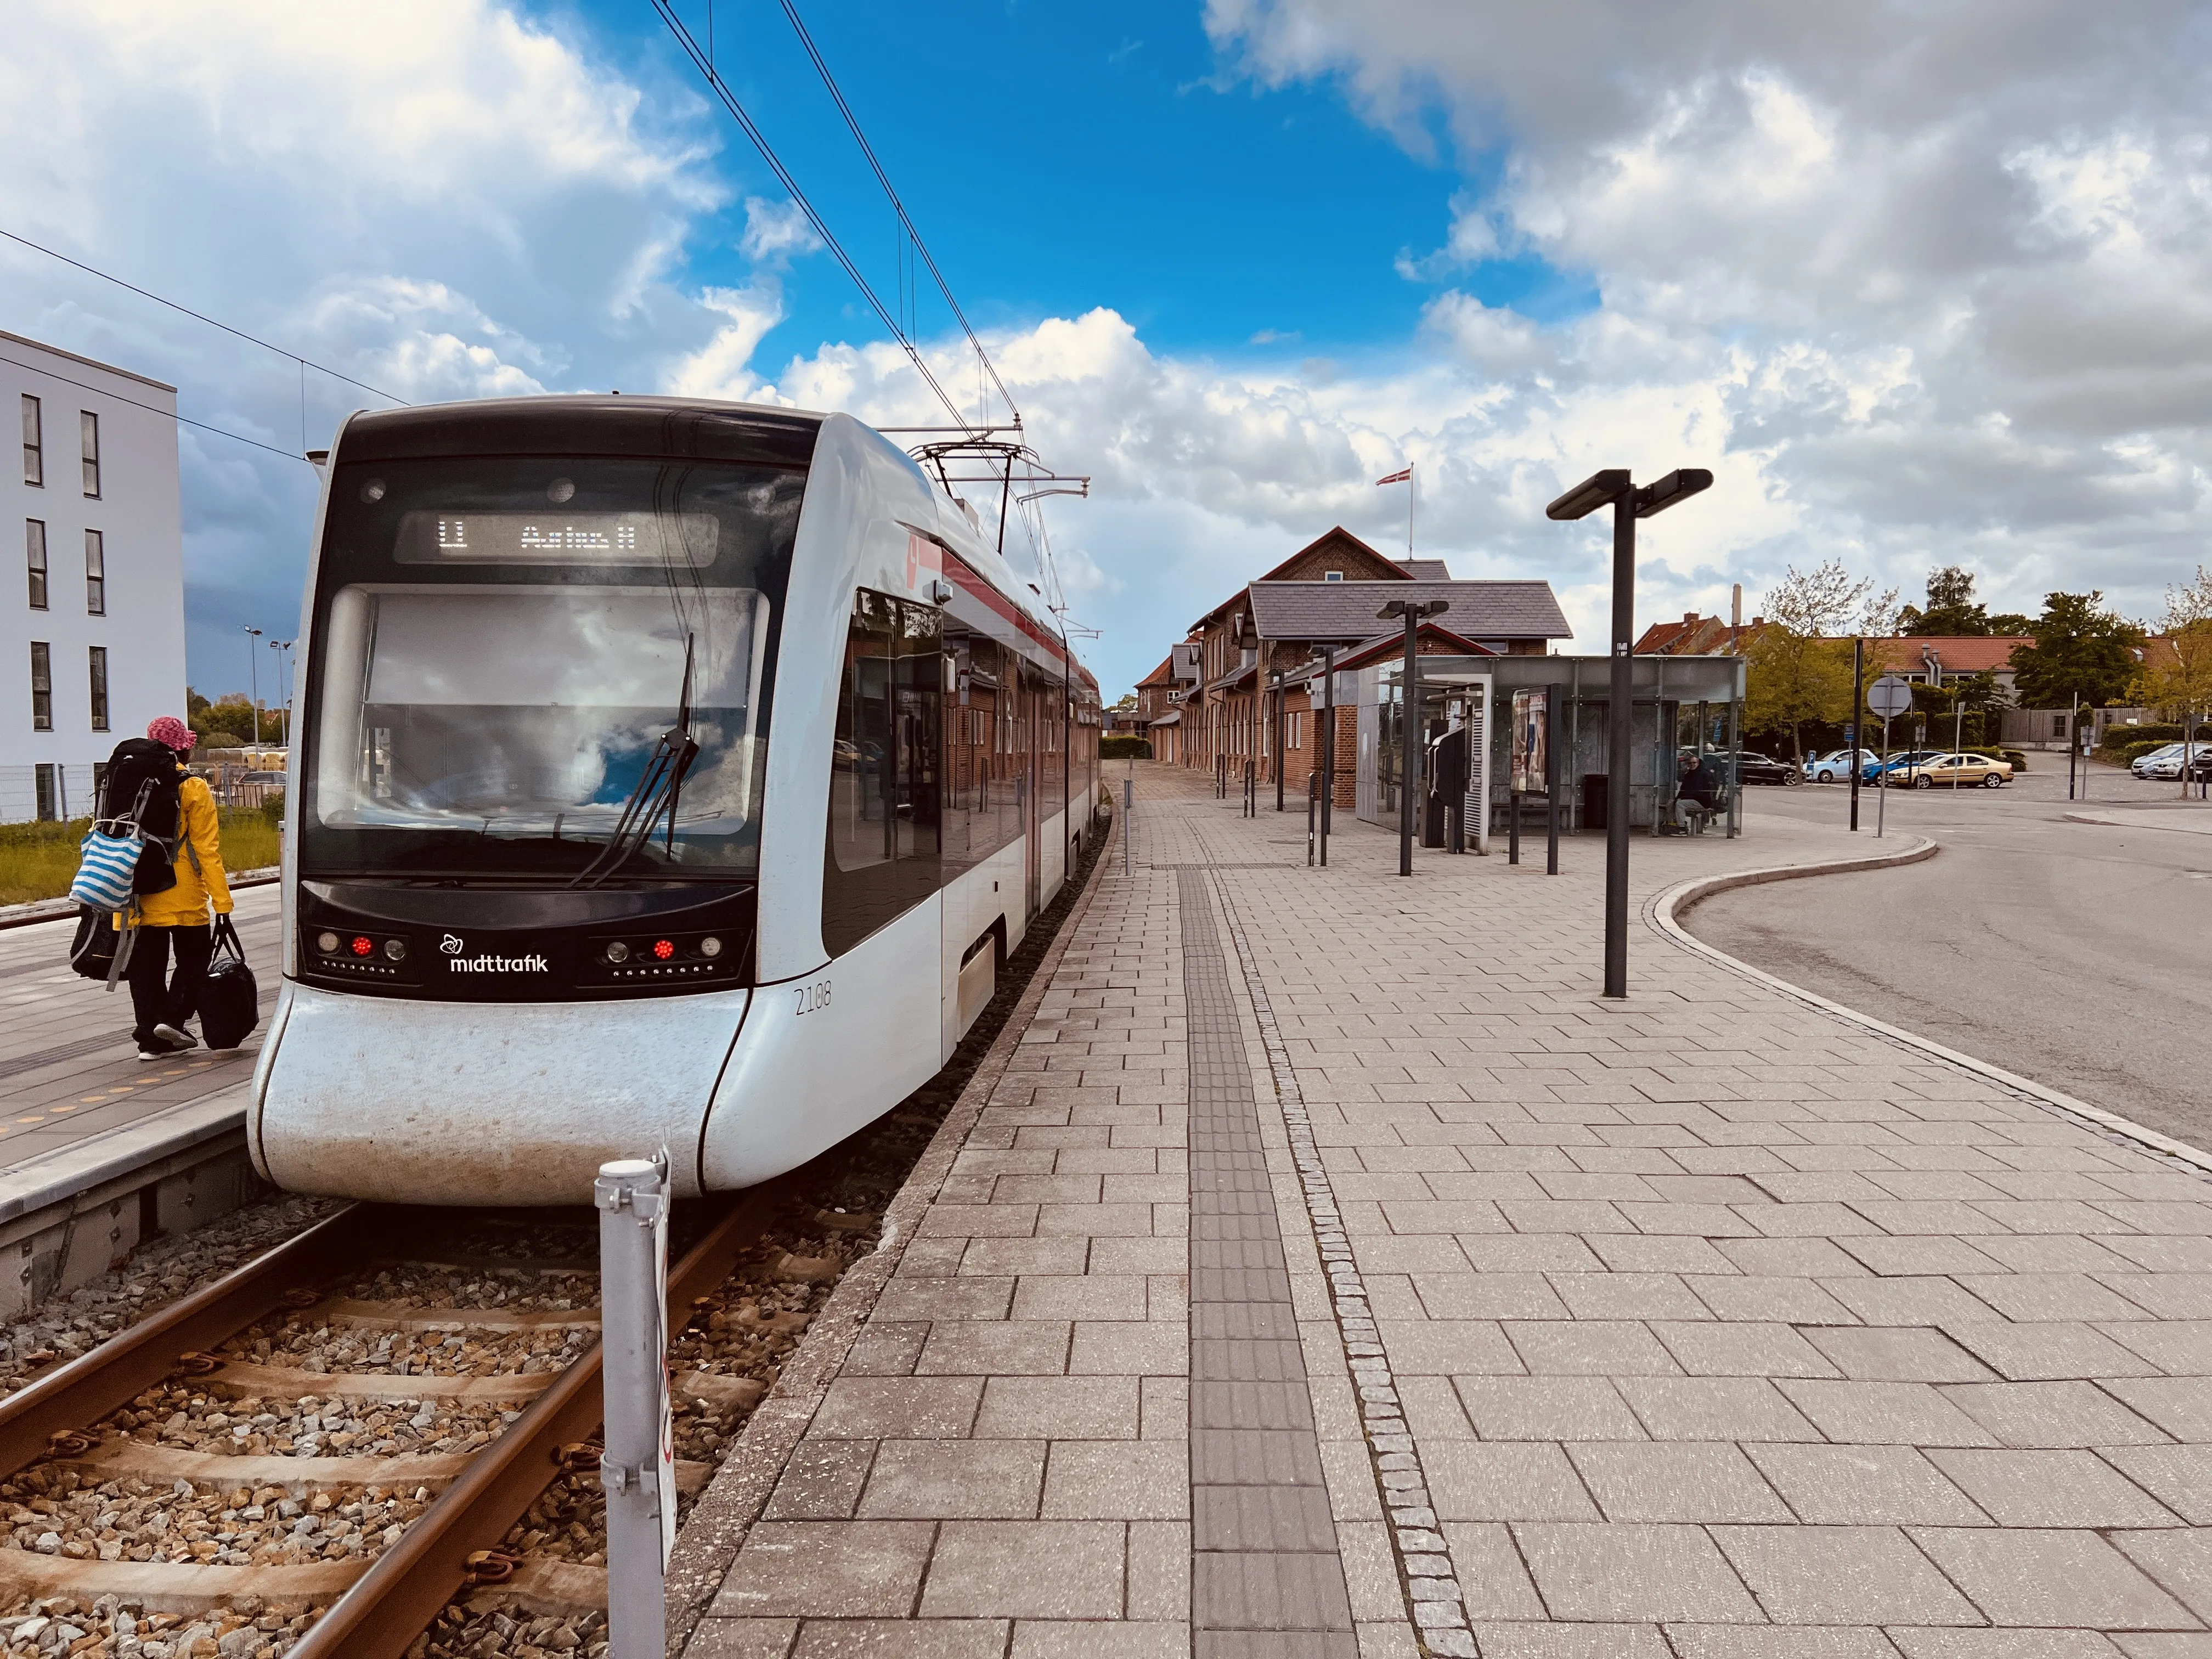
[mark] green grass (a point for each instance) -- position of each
(37, 859)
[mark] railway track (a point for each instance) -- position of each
(324, 1448)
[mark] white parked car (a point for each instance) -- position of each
(1835, 767)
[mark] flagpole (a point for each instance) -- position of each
(1412, 494)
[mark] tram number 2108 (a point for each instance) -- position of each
(813, 998)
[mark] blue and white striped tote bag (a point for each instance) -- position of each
(105, 867)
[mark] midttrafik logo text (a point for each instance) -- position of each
(532, 963)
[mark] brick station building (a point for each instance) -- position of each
(1254, 692)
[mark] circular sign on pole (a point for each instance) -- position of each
(1890, 695)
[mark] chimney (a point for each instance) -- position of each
(1736, 607)
(1689, 619)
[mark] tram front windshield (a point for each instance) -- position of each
(532, 669)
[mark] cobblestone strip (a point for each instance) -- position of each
(1424, 1556)
(1266, 1578)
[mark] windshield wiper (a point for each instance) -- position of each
(658, 790)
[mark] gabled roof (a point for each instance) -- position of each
(1427, 570)
(1337, 542)
(1330, 611)
(1959, 654)
(1164, 675)
(1698, 636)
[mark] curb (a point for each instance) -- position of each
(1664, 909)
(734, 1500)
(2108, 822)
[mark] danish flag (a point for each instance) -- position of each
(1406, 476)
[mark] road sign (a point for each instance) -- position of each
(1890, 695)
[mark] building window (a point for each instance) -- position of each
(34, 554)
(2058, 726)
(89, 432)
(42, 686)
(100, 688)
(34, 454)
(95, 573)
(49, 797)
(1332, 575)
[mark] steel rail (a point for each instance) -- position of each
(406, 1587)
(108, 1377)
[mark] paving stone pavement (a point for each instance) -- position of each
(1709, 1324)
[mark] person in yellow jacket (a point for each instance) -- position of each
(177, 921)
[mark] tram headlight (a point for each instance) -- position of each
(327, 943)
(396, 949)
(710, 947)
(617, 952)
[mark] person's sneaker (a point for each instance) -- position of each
(156, 1049)
(176, 1039)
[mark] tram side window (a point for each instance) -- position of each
(982, 810)
(886, 851)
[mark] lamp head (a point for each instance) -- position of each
(1677, 486)
(1434, 607)
(1597, 490)
(1396, 608)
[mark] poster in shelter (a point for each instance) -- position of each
(1531, 737)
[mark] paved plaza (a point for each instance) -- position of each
(1332, 1271)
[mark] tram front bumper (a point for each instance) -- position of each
(460, 1103)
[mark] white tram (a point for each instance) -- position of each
(668, 773)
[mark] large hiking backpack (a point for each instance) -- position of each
(141, 787)
(128, 852)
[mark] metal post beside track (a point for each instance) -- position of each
(1128, 820)
(638, 1468)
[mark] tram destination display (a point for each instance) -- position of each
(460, 538)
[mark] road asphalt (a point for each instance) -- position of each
(2073, 953)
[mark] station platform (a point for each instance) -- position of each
(68, 1071)
(1325, 1268)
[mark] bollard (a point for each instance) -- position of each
(1313, 803)
(638, 1468)
(1512, 827)
(1128, 820)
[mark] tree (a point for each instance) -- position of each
(1951, 607)
(2177, 670)
(1795, 670)
(2081, 650)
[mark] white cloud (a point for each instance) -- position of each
(1940, 286)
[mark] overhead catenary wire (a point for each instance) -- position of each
(200, 317)
(905, 223)
(157, 409)
(704, 63)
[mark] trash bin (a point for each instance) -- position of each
(1595, 792)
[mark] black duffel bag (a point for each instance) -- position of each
(230, 1002)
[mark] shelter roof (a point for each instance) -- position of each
(1390, 647)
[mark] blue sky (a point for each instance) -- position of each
(1921, 286)
(1104, 156)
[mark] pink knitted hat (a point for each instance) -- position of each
(172, 733)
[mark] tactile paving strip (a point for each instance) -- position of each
(1266, 1576)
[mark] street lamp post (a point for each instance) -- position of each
(1629, 504)
(1409, 746)
(283, 693)
(253, 678)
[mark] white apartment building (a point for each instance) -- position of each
(91, 614)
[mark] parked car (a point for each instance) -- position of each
(2165, 762)
(1835, 766)
(1957, 771)
(1902, 761)
(1763, 768)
